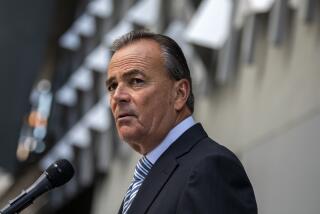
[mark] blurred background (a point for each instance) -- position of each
(256, 78)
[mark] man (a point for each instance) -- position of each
(182, 169)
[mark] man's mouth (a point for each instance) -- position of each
(124, 116)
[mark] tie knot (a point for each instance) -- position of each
(142, 168)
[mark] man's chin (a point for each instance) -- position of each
(129, 135)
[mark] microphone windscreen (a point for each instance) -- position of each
(59, 172)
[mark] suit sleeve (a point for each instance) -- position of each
(219, 185)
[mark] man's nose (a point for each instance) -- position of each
(121, 94)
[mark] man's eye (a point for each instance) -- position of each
(136, 81)
(112, 87)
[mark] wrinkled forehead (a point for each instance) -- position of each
(146, 42)
(141, 54)
(143, 47)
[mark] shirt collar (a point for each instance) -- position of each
(172, 136)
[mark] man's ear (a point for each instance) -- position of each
(182, 89)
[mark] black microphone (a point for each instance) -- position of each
(57, 174)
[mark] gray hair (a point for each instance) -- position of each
(174, 59)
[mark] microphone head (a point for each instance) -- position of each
(59, 172)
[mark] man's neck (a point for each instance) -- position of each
(146, 147)
(170, 138)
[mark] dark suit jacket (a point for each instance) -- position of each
(195, 175)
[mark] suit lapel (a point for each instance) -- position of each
(121, 207)
(164, 168)
(151, 186)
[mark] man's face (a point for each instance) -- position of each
(141, 95)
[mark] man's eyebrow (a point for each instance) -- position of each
(133, 72)
(126, 75)
(109, 81)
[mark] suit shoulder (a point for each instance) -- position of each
(215, 180)
(208, 148)
(215, 176)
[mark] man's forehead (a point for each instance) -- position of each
(127, 57)
(138, 55)
(128, 62)
(143, 47)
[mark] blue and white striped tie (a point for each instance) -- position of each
(140, 172)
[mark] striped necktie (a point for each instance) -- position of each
(140, 172)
